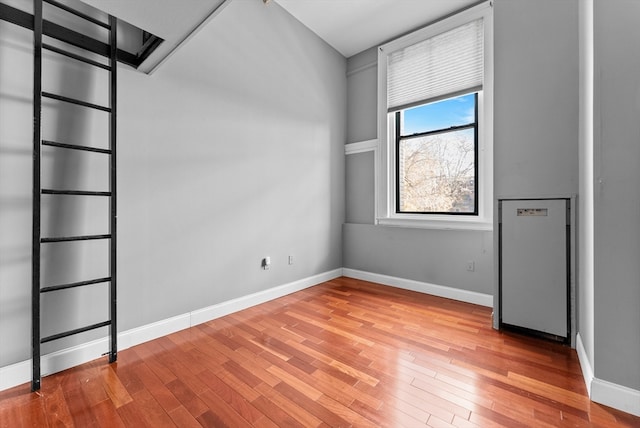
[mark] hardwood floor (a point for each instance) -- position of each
(343, 353)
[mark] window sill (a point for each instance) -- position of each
(437, 222)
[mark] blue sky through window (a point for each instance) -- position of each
(439, 115)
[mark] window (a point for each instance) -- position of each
(435, 103)
(436, 157)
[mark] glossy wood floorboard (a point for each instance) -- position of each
(343, 353)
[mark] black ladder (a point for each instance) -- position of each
(38, 191)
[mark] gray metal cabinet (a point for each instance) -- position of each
(534, 260)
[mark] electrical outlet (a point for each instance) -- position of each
(290, 260)
(266, 263)
(471, 266)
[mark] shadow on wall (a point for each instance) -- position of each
(15, 192)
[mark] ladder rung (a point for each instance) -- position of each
(74, 192)
(74, 238)
(76, 147)
(75, 56)
(74, 331)
(78, 13)
(75, 101)
(74, 284)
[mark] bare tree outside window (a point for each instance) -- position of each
(437, 173)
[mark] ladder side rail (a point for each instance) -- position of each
(36, 207)
(113, 91)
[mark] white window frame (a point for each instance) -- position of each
(386, 175)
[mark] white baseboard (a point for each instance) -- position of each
(19, 373)
(616, 396)
(14, 374)
(605, 392)
(422, 287)
(235, 305)
(585, 364)
(145, 333)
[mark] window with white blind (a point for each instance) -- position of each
(435, 105)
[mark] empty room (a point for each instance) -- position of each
(319, 213)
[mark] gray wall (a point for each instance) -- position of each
(362, 96)
(233, 150)
(617, 201)
(420, 255)
(360, 187)
(536, 98)
(535, 143)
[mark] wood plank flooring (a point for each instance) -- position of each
(343, 353)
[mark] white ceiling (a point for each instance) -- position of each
(351, 26)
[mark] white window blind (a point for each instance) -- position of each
(444, 65)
